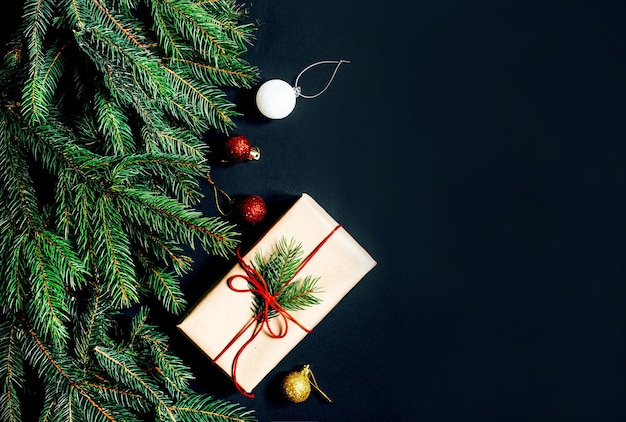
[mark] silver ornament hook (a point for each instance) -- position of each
(298, 90)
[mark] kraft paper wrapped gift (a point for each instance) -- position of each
(219, 317)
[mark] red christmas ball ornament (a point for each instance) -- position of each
(251, 209)
(238, 149)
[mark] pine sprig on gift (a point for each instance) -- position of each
(278, 270)
(103, 107)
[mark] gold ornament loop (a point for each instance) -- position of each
(309, 374)
(216, 193)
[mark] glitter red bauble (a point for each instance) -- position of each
(251, 209)
(238, 149)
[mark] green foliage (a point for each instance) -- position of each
(103, 106)
(279, 270)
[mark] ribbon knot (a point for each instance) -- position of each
(259, 287)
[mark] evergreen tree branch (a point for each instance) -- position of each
(125, 370)
(114, 51)
(37, 18)
(11, 372)
(206, 99)
(278, 271)
(114, 257)
(12, 282)
(180, 142)
(193, 25)
(171, 43)
(93, 410)
(16, 190)
(170, 368)
(228, 71)
(115, 395)
(47, 69)
(117, 130)
(49, 307)
(164, 286)
(58, 369)
(202, 408)
(104, 15)
(57, 405)
(175, 219)
(113, 126)
(165, 251)
(91, 328)
(299, 294)
(67, 263)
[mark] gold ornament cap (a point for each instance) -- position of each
(297, 385)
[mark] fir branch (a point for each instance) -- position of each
(72, 11)
(168, 174)
(11, 372)
(47, 69)
(228, 71)
(13, 284)
(91, 328)
(202, 408)
(165, 287)
(193, 25)
(278, 270)
(178, 221)
(165, 251)
(49, 306)
(171, 43)
(124, 24)
(113, 125)
(55, 146)
(92, 410)
(37, 19)
(179, 141)
(67, 263)
(170, 368)
(71, 201)
(77, 203)
(114, 51)
(57, 406)
(138, 326)
(112, 249)
(113, 394)
(125, 370)
(118, 131)
(50, 363)
(299, 294)
(204, 98)
(16, 190)
(58, 370)
(184, 187)
(142, 165)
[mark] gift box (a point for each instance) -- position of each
(223, 324)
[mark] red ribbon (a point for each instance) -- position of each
(259, 287)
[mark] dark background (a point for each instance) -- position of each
(477, 150)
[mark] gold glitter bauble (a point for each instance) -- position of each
(296, 386)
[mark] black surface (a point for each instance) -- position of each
(476, 149)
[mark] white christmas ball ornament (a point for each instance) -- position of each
(276, 99)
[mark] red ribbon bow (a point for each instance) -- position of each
(259, 287)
